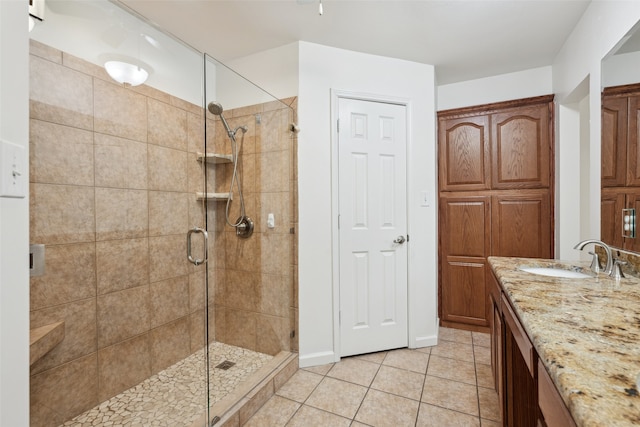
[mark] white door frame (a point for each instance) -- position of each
(335, 236)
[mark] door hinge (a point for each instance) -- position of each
(407, 238)
(338, 125)
(338, 222)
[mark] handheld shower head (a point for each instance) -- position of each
(216, 109)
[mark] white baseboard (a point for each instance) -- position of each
(316, 359)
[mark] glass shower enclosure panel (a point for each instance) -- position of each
(251, 220)
(114, 176)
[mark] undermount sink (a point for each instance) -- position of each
(556, 272)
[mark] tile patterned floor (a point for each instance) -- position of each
(446, 385)
(175, 396)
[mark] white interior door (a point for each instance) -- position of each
(372, 147)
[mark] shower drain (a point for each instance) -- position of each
(225, 365)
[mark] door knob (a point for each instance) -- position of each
(399, 240)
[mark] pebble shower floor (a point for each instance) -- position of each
(175, 396)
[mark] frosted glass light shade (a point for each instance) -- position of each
(125, 73)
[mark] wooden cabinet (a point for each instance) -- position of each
(526, 393)
(620, 170)
(496, 198)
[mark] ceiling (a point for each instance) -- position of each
(464, 39)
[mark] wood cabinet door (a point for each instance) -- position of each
(464, 242)
(632, 201)
(521, 224)
(614, 142)
(521, 148)
(612, 201)
(633, 144)
(464, 154)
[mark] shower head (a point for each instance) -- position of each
(215, 108)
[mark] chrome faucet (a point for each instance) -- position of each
(609, 267)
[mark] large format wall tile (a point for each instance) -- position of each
(168, 257)
(273, 171)
(168, 213)
(120, 163)
(79, 332)
(169, 344)
(61, 214)
(122, 315)
(169, 300)
(60, 95)
(121, 213)
(195, 132)
(60, 154)
(66, 390)
(122, 264)
(167, 125)
(123, 365)
(70, 275)
(119, 111)
(272, 334)
(167, 169)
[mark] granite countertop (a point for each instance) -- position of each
(586, 333)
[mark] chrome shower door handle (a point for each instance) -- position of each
(197, 261)
(400, 240)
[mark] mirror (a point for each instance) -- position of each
(620, 165)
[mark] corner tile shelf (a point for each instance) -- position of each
(43, 339)
(214, 158)
(213, 196)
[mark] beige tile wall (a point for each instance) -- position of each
(255, 296)
(113, 175)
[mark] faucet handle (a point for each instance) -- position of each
(616, 271)
(595, 263)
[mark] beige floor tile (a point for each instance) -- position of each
(300, 385)
(489, 404)
(482, 354)
(453, 350)
(384, 409)
(399, 382)
(451, 394)
(357, 424)
(336, 396)
(489, 423)
(355, 371)
(410, 360)
(373, 357)
(481, 339)
(434, 416)
(426, 350)
(321, 369)
(484, 375)
(458, 335)
(452, 369)
(276, 412)
(308, 416)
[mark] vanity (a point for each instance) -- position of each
(565, 351)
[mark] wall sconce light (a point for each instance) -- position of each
(125, 73)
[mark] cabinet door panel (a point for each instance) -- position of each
(464, 155)
(632, 202)
(464, 290)
(465, 225)
(612, 201)
(633, 154)
(521, 225)
(521, 148)
(614, 142)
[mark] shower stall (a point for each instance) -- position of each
(167, 214)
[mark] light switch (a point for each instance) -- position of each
(424, 198)
(13, 170)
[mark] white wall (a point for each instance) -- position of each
(274, 70)
(14, 219)
(505, 87)
(621, 69)
(602, 26)
(321, 69)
